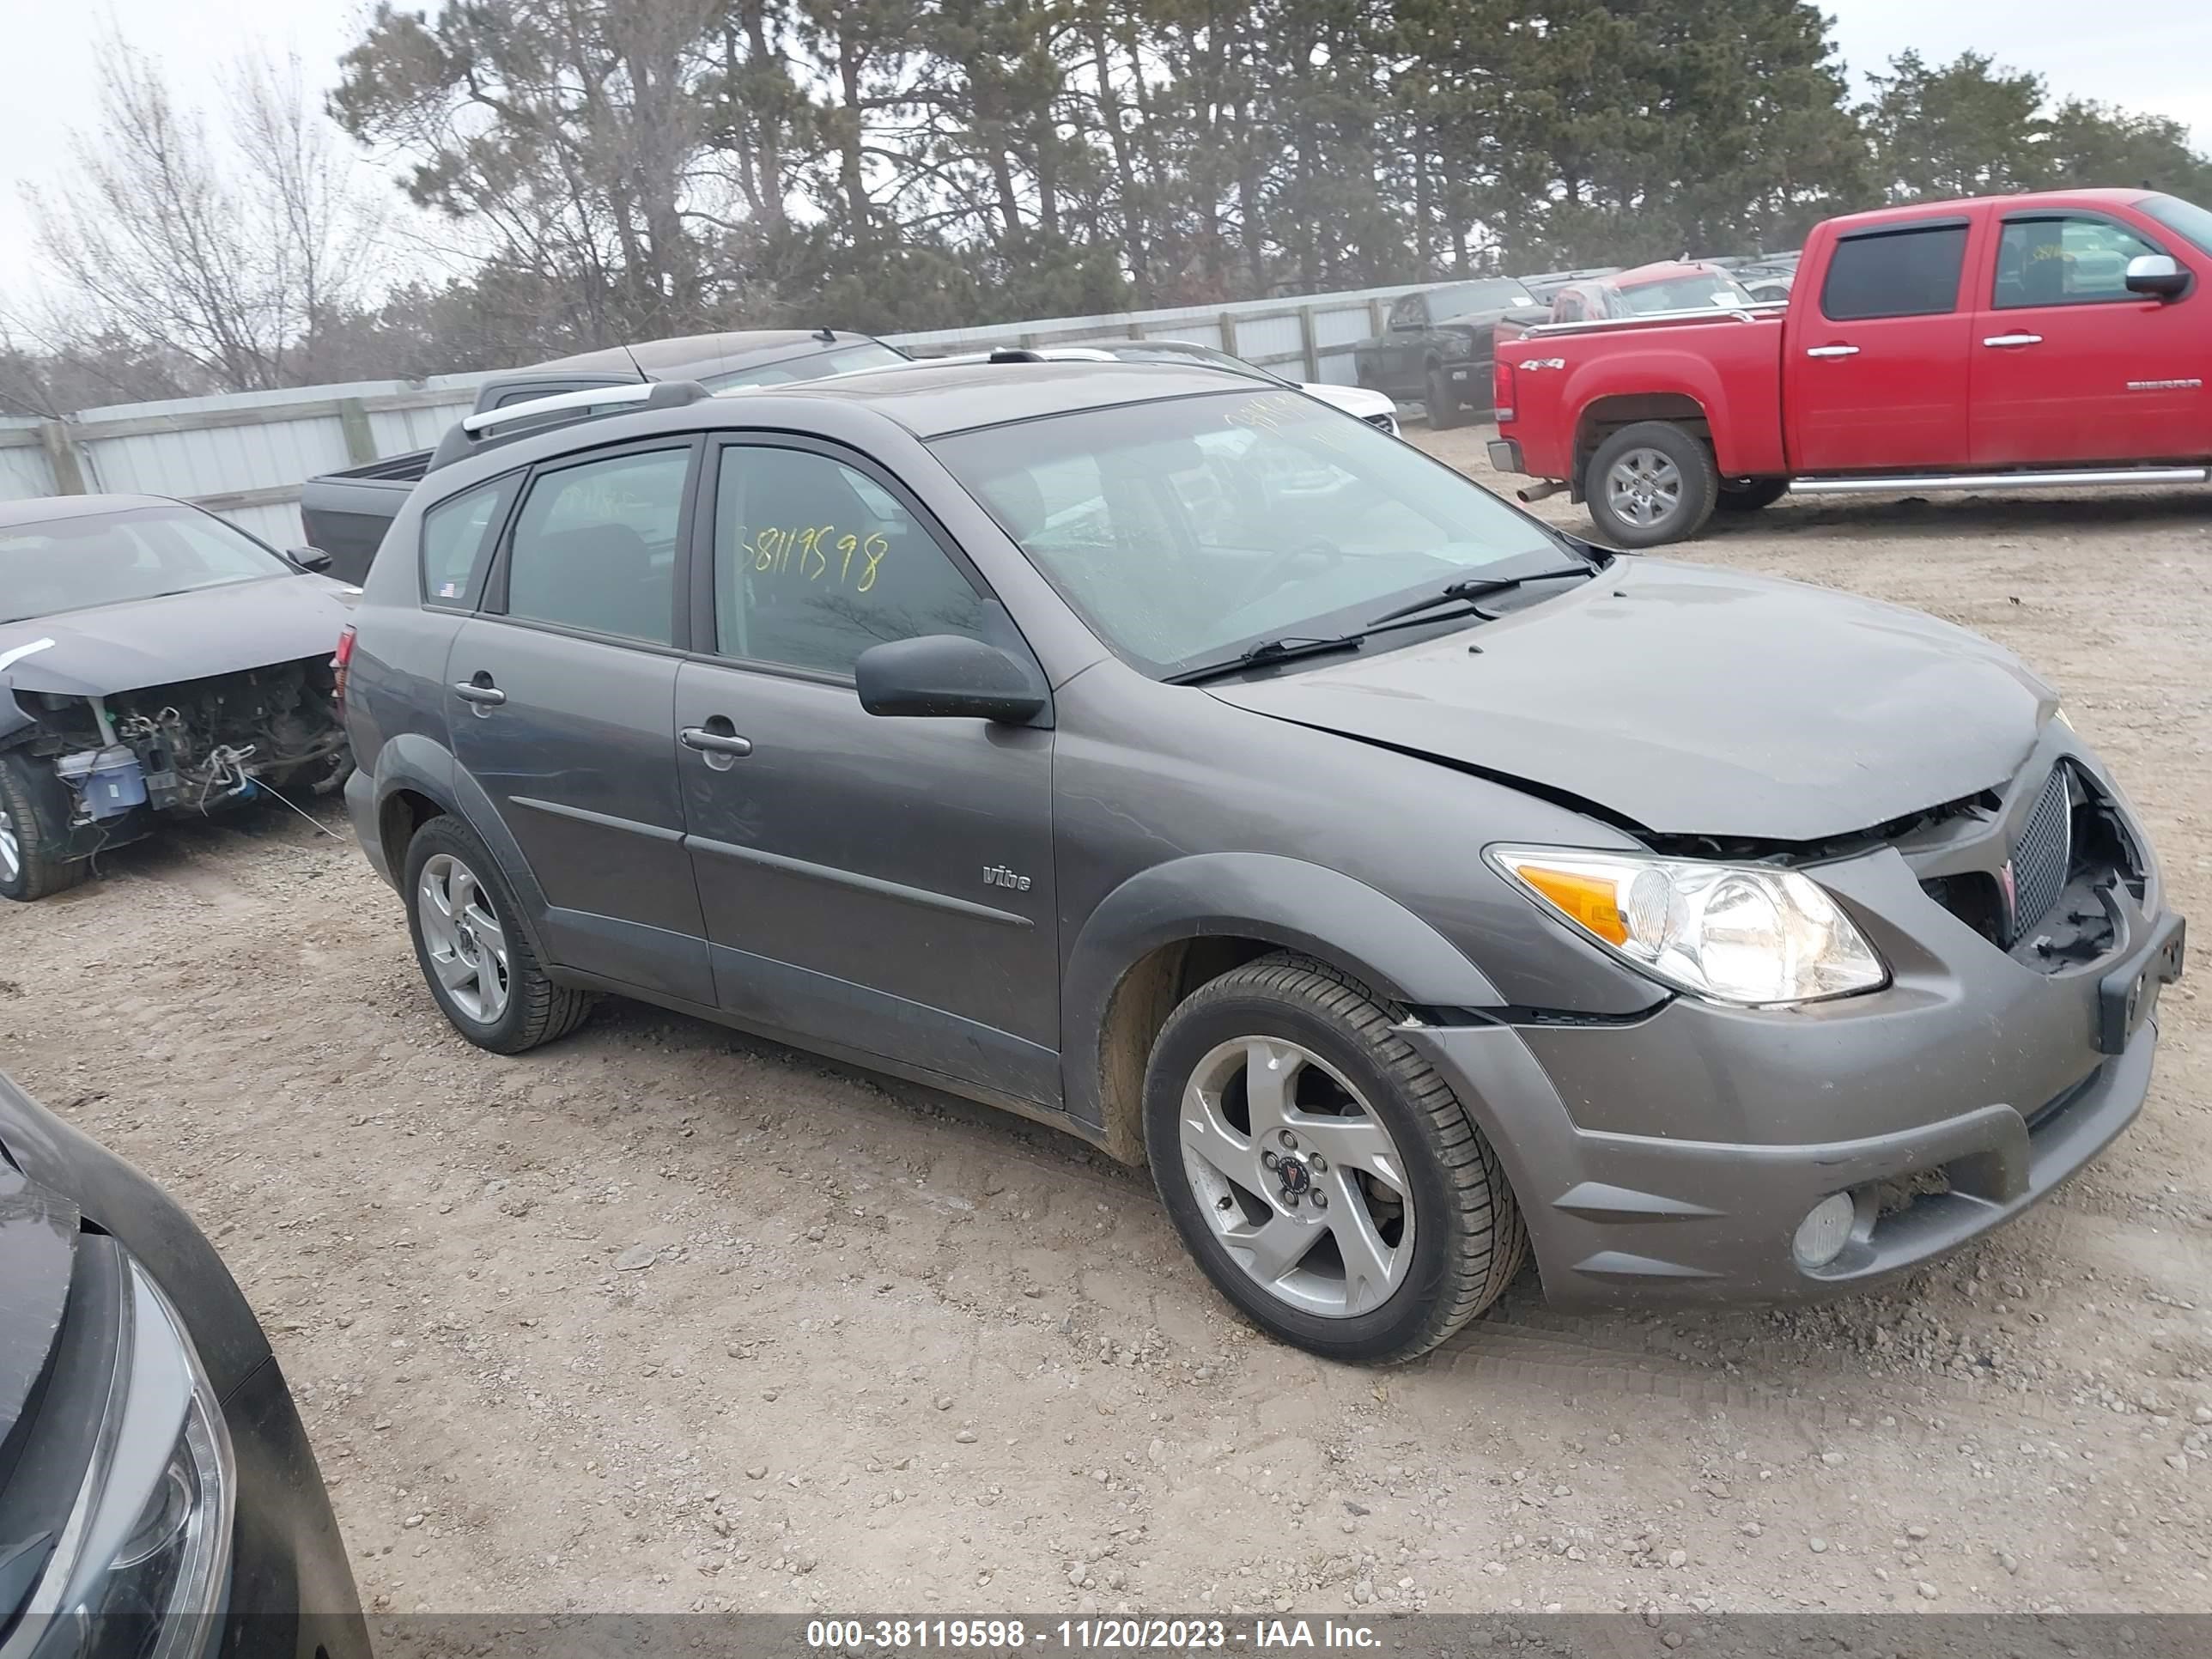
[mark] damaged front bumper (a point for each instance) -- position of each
(1675, 1156)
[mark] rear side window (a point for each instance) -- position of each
(1900, 273)
(594, 545)
(457, 538)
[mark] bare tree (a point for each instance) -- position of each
(230, 249)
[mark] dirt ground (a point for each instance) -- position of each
(663, 1318)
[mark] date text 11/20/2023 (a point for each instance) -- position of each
(1009, 1635)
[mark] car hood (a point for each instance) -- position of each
(1687, 699)
(38, 1252)
(1351, 399)
(180, 636)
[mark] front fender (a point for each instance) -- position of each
(1286, 902)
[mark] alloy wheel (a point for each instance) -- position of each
(462, 936)
(1303, 1185)
(1643, 488)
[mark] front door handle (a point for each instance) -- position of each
(717, 742)
(2014, 340)
(480, 691)
(1832, 351)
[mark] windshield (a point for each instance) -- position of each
(141, 553)
(1187, 530)
(1494, 294)
(1706, 288)
(2186, 218)
(813, 365)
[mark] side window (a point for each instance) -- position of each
(1898, 273)
(594, 545)
(457, 538)
(815, 562)
(2064, 262)
(1409, 312)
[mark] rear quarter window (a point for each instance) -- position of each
(1898, 273)
(458, 534)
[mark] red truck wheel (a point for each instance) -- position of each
(1650, 482)
(1749, 495)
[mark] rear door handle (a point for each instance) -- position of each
(479, 691)
(1832, 351)
(2012, 340)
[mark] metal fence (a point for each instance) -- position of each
(245, 455)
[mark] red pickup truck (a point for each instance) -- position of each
(1999, 343)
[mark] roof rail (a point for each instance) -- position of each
(474, 432)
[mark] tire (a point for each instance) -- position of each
(1679, 467)
(1457, 1243)
(496, 994)
(27, 870)
(1749, 495)
(1443, 401)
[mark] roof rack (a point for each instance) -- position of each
(475, 432)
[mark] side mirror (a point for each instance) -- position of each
(312, 560)
(946, 676)
(2159, 276)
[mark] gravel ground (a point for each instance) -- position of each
(663, 1318)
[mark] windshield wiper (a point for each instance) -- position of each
(1471, 588)
(1268, 651)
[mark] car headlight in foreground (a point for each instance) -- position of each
(141, 1567)
(1731, 932)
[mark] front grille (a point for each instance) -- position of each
(2043, 855)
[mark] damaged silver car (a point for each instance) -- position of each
(155, 661)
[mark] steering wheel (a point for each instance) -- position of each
(1272, 573)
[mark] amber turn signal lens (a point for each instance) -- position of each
(1588, 901)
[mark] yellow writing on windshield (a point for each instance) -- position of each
(816, 553)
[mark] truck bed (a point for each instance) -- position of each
(346, 513)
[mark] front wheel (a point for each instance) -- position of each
(1443, 401)
(28, 868)
(1650, 482)
(1324, 1176)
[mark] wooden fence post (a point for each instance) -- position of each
(1306, 338)
(61, 457)
(360, 436)
(1229, 332)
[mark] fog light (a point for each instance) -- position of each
(1825, 1231)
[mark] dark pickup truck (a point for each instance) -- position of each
(1437, 347)
(346, 513)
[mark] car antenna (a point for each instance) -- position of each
(636, 365)
(826, 334)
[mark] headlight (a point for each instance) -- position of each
(142, 1568)
(1732, 933)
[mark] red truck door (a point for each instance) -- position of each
(2069, 366)
(1875, 359)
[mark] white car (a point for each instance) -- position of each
(1372, 407)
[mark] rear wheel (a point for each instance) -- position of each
(28, 869)
(1443, 401)
(1650, 482)
(474, 955)
(1749, 495)
(1326, 1178)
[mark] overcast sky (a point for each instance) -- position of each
(2147, 57)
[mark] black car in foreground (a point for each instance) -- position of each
(158, 1497)
(155, 661)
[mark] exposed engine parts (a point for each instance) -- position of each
(194, 747)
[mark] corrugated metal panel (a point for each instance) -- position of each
(24, 472)
(215, 461)
(278, 525)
